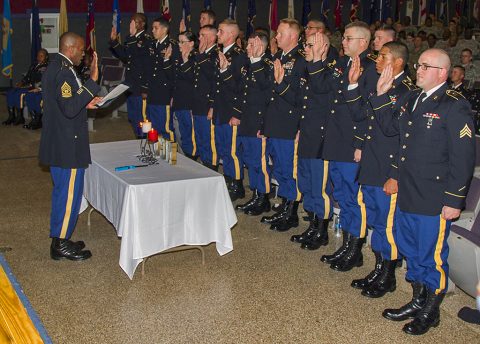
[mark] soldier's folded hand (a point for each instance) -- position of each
(390, 187)
(210, 114)
(449, 213)
(234, 121)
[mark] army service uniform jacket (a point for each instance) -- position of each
(64, 140)
(437, 149)
(183, 88)
(204, 70)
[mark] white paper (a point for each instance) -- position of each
(112, 95)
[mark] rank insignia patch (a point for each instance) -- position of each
(66, 90)
(466, 131)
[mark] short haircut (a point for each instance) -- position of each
(362, 27)
(163, 22)
(231, 22)
(211, 14)
(468, 50)
(389, 30)
(460, 67)
(398, 50)
(68, 39)
(293, 24)
(142, 17)
(189, 35)
(45, 52)
(209, 28)
(318, 22)
(263, 37)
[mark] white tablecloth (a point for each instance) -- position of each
(158, 207)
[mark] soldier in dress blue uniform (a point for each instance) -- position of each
(378, 174)
(344, 141)
(183, 89)
(164, 55)
(204, 71)
(135, 54)
(256, 85)
(435, 167)
(64, 141)
(282, 120)
(313, 179)
(225, 117)
(31, 80)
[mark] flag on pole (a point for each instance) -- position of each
(232, 9)
(116, 21)
(36, 33)
(140, 6)
(353, 10)
(7, 62)
(63, 23)
(386, 10)
(186, 14)
(251, 13)
(207, 4)
(398, 9)
(273, 17)
(443, 11)
(291, 9)
(409, 9)
(307, 9)
(369, 12)
(432, 7)
(422, 12)
(476, 10)
(90, 41)
(324, 11)
(338, 13)
(166, 10)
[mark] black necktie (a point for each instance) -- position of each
(420, 99)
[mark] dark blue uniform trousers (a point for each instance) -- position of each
(254, 154)
(187, 132)
(205, 138)
(380, 213)
(162, 120)
(422, 239)
(315, 186)
(66, 199)
(227, 144)
(34, 101)
(284, 156)
(135, 116)
(345, 192)
(15, 97)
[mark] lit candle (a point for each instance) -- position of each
(153, 135)
(146, 126)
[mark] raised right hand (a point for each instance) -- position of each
(113, 34)
(133, 28)
(385, 81)
(94, 67)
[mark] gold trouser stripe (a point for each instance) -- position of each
(326, 199)
(389, 229)
(437, 255)
(212, 143)
(16, 325)
(233, 152)
(144, 109)
(363, 212)
(22, 97)
(41, 103)
(295, 169)
(264, 166)
(68, 206)
(194, 143)
(167, 123)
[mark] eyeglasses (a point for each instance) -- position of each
(312, 27)
(349, 39)
(183, 42)
(424, 66)
(307, 45)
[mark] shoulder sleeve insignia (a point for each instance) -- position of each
(454, 94)
(466, 131)
(66, 90)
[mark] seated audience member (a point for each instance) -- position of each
(457, 76)
(471, 73)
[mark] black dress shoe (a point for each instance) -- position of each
(427, 317)
(80, 245)
(309, 232)
(352, 258)
(290, 220)
(385, 283)
(410, 310)
(246, 206)
(277, 216)
(338, 254)
(236, 190)
(66, 249)
(260, 206)
(279, 207)
(318, 239)
(372, 276)
(11, 116)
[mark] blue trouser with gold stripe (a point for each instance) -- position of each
(284, 156)
(15, 97)
(315, 186)
(345, 192)
(161, 120)
(187, 132)
(205, 138)
(66, 199)
(422, 239)
(134, 112)
(227, 148)
(33, 100)
(254, 154)
(380, 211)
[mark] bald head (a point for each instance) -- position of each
(68, 39)
(434, 65)
(72, 46)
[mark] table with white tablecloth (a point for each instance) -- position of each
(158, 207)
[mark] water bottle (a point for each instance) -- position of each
(337, 226)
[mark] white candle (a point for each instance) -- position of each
(146, 127)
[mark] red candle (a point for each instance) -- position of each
(153, 135)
